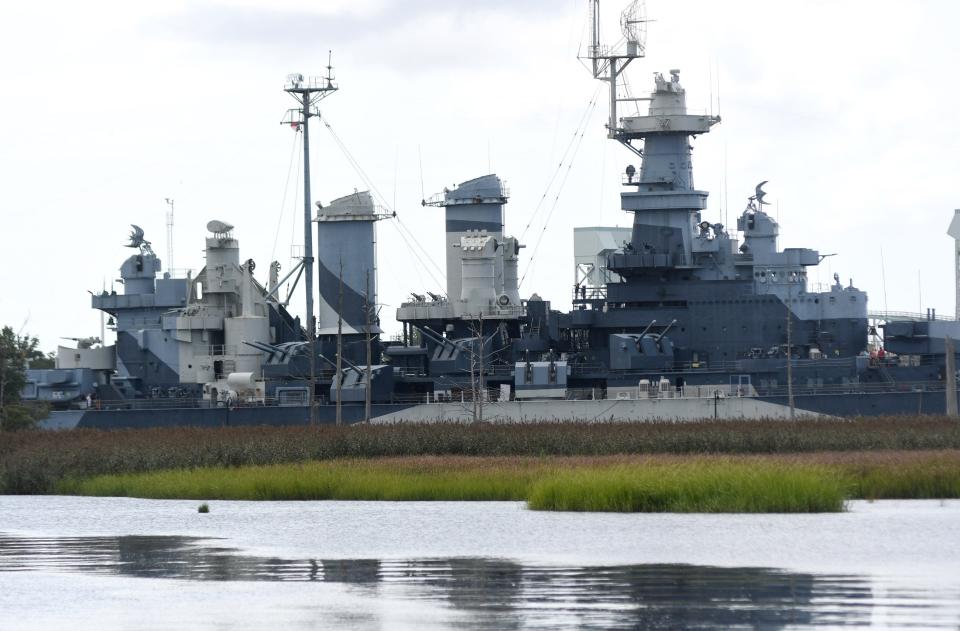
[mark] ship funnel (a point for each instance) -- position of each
(346, 239)
(475, 205)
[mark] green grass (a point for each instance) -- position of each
(797, 483)
(936, 476)
(700, 487)
(36, 462)
(332, 480)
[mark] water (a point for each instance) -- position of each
(106, 563)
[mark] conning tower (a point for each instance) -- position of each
(665, 204)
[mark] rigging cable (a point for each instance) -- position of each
(425, 254)
(416, 268)
(286, 187)
(556, 199)
(366, 179)
(293, 215)
(399, 225)
(578, 133)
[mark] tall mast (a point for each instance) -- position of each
(608, 63)
(307, 92)
(594, 52)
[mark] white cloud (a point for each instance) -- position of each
(849, 109)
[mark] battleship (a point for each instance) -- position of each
(674, 318)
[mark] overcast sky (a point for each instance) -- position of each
(850, 109)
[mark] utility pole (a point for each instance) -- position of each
(340, 348)
(482, 379)
(473, 378)
(790, 349)
(368, 394)
(307, 92)
(950, 374)
(103, 325)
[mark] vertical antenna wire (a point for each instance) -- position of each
(919, 292)
(718, 88)
(726, 187)
(720, 202)
(883, 278)
(423, 194)
(710, 66)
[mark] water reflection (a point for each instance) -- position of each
(499, 593)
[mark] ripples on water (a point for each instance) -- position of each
(503, 594)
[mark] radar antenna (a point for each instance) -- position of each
(609, 62)
(633, 24)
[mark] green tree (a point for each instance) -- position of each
(44, 361)
(16, 352)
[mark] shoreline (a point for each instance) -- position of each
(701, 466)
(783, 483)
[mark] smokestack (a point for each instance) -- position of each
(475, 205)
(346, 234)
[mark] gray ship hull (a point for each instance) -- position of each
(603, 410)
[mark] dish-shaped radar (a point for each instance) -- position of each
(218, 227)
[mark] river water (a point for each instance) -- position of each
(109, 563)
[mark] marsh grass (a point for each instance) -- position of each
(794, 483)
(332, 480)
(35, 462)
(697, 487)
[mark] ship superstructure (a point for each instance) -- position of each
(675, 308)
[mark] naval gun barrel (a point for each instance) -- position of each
(664, 332)
(644, 332)
(349, 364)
(433, 335)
